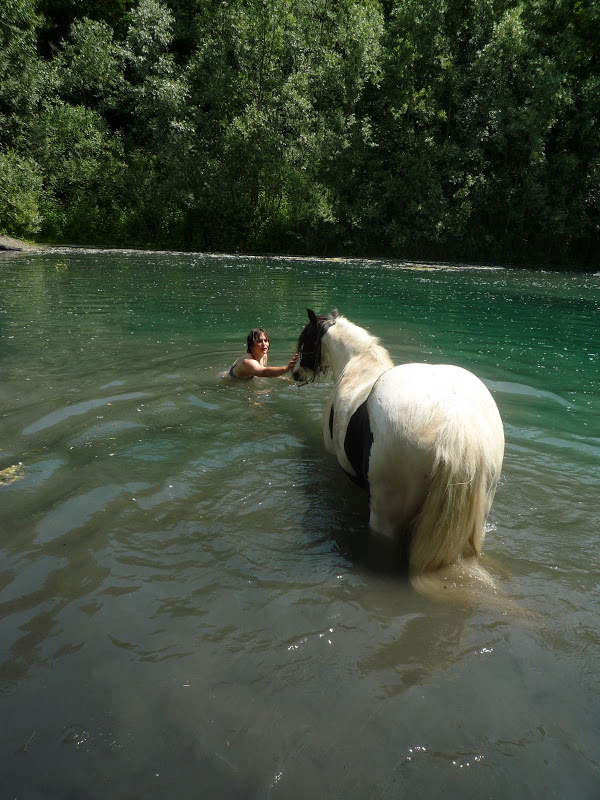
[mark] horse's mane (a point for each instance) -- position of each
(360, 342)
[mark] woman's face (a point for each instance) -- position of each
(261, 346)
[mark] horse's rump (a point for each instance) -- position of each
(435, 462)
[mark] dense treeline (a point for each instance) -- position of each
(410, 128)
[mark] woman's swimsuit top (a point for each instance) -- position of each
(236, 377)
(235, 363)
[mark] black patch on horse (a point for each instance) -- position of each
(331, 422)
(357, 445)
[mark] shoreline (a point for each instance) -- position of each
(10, 244)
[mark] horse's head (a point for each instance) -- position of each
(310, 358)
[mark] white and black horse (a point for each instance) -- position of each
(426, 441)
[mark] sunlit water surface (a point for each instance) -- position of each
(190, 606)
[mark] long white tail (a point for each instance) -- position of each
(451, 522)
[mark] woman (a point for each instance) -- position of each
(254, 363)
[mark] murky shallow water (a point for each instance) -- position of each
(189, 603)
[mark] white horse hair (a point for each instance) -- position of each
(426, 441)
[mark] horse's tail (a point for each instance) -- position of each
(450, 525)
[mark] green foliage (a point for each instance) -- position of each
(59, 15)
(416, 128)
(20, 195)
(81, 164)
(20, 70)
(89, 66)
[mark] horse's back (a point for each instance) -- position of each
(432, 384)
(416, 399)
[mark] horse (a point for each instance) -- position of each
(426, 441)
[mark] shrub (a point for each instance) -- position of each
(20, 195)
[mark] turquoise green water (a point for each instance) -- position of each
(188, 604)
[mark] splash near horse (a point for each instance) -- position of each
(426, 441)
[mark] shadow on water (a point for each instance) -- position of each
(340, 511)
(374, 553)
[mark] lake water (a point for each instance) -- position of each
(189, 603)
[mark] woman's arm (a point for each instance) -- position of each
(249, 366)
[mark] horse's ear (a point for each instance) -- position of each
(334, 312)
(311, 315)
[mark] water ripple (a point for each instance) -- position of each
(62, 414)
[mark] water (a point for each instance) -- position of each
(189, 604)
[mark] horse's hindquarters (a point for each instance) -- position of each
(433, 408)
(398, 476)
(437, 453)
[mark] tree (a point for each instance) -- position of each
(21, 77)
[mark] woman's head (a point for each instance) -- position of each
(256, 337)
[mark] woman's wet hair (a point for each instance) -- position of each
(254, 336)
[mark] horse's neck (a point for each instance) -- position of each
(346, 341)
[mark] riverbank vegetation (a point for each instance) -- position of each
(443, 129)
